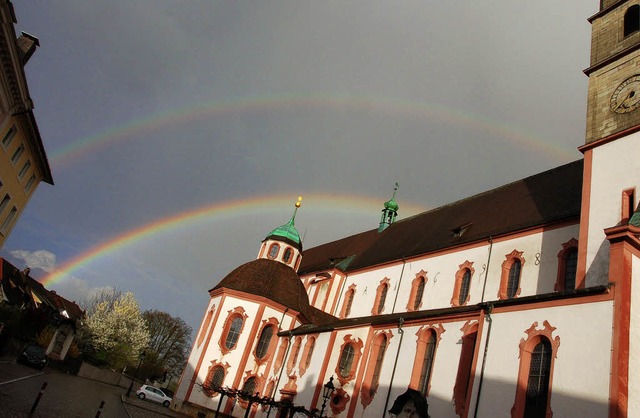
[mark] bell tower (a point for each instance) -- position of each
(613, 105)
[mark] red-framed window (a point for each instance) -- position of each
(462, 284)
(381, 297)
(350, 353)
(511, 275)
(462, 389)
(293, 356)
(307, 353)
(427, 344)
(232, 330)
(567, 265)
(535, 375)
(374, 367)
(417, 291)
(348, 301)
(274, 249)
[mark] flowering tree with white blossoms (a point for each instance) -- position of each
(117, 331)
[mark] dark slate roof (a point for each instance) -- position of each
(542, 199)
(277, 282)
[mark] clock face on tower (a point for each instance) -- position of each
(626, 97)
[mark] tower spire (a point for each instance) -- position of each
(390, 211)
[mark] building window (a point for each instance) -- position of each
(288, 253)
(535, 375)
(264, 341)
(350, 353)
(306, 354)
(5, 202)
(463, 378)
(32, 179)
(17, 154)
(24, 169)
(511, 272)
(282, 350)
(250, 385)
(428, 339)
(232, 329)
(381, 297)
(462, 284)
(346, 360)
(274, 249)
(214, 379)
(293, 358)
(567, 266)
(417, 291)
(205, 326)
(7, 222)
(372, 376)
(348, 301)
(632, 20)
(8, 137)
(234, 332)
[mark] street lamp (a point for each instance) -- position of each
(135, 374)
(326, 394)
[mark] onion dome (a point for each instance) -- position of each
(288, 232)
(390, 211)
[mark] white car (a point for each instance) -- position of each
(153, 394)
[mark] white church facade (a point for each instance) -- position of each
(517, 302)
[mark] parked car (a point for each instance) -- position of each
(153, 394)
(34, 356)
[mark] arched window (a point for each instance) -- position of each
(293, 357)
(462, 284)
(214, 380)
(428, 339)
(567, 266)
(274, 249)
(514, 279)
(250, 385)
(632, 20)
(381, 297)
(538, 382)
(288, 253)
(372, 375)
(427, 365)
(350, 353)
(281, 353)
(537, 355)
(263, 342)
(417, 291)
(346, 360)
(205, 325)
(461, 388)
(234, 332)
(232, 329)
(348, 301)
(306, 354)
(511, 272)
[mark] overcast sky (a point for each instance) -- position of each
(151, 109)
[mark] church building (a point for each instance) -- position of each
(516, 302)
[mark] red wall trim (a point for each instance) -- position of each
(584, 220)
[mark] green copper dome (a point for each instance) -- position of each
(391, 204)
(288, 232)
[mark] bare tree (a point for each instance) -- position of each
(169, 343)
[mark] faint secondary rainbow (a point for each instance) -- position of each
(221, 211)
(509, 132)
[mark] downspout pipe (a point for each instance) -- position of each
(395, 365)
(404, 263)
(488, 311)
(282, 367)
(486, 273)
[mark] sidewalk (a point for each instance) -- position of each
(14, 376)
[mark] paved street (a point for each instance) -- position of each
(67, 396)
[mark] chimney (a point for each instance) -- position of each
(26, 47)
